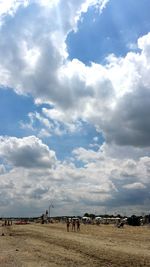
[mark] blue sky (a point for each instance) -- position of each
(113, 31)
(74, 106)
(13, 109)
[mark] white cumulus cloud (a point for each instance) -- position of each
(28, 152)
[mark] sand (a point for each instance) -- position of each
(37, 245)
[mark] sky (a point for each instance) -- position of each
(74, 107)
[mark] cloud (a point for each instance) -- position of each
(113, 97)
(39, 52)
(85, 155)
(39, 49)
(101, 181)
(135, 186)
(50, 122)
(38, 193)
(115, 105)
(2, 169)
(28, 152)
(10, 7)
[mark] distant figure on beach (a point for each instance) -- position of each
(120, 225)
(73, 225)
(68, 224)
(42, 219)
(78, 225)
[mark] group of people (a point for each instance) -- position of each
(7, 223)
(74, 224)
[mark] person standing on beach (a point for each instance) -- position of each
(73, 225)
(68, 224)
(78, 225)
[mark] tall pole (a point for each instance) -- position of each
(49, 211)
(50, 206)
